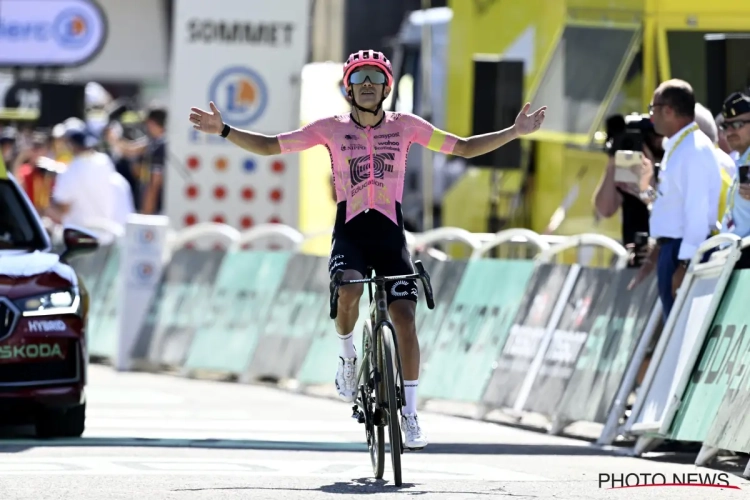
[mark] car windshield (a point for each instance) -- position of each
(19, 227)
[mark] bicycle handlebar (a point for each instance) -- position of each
(421, 274)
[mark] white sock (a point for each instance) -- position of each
(347, 346)
(411, 397)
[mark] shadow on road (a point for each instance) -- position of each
(364, 486)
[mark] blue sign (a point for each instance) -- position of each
(50, 32)
(240, 94)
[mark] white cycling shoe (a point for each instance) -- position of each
(415, 439)
(346, 379)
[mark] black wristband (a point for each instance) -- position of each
(225, 131)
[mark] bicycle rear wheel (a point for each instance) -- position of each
(394, 426)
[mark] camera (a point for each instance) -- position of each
(629, 133)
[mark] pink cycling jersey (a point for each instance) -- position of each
(369, 163)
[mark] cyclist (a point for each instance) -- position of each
(368, 149)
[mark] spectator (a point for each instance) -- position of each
(611, 196)
(60, 150)
(112, 136)
(723, 144)
(736, 123)
(707, 125)
(83, 195)
(153, 151)
(8, 145)
(687, 196)
(36, 172)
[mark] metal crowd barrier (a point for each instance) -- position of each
(526, 336)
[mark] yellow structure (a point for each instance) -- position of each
(588, 59)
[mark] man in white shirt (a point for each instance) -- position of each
(686, 205)
(84, 194)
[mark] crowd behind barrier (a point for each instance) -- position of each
(528, 335)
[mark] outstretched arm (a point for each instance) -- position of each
(212, 123)
(478, 145)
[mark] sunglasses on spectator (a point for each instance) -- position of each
(358, 77)
(736, 124)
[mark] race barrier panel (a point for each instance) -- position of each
(243, 293)
(474, 329)
(680, 342)
(719, 371)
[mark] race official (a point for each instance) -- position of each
(685, 207)
(736, 123)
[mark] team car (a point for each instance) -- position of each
(43, 309)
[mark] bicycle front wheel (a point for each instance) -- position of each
(394, 426)
(375, 433)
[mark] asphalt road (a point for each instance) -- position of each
(162, 437)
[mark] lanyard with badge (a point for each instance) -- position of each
(677, 143)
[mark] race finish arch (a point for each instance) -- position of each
(246, 56)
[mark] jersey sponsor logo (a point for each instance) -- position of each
(352, 147)
(410, 289)
(389, 143)
(388, 136)
(240, 93)
(349, 137)
(214, 31)
(359, 167)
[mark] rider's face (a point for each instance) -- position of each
(367, 93)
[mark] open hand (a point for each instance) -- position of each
(525, 123)
(210, 123)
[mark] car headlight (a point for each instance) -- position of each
(52, 303)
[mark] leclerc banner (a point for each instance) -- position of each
(250, 54)
(712, 407)
(591, 296)
(50, 32)
(613, 336)
(526, 334)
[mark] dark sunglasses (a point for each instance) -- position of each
(737, 124)
(376, 77)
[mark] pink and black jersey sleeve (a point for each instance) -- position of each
(425, 134)
(311, 135)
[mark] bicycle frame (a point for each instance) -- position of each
(380, 318)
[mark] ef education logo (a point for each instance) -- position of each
(50, 32)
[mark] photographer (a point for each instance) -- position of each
(627, 175)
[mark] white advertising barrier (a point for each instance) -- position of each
(246, 56)
(680, 343)
(142, 256)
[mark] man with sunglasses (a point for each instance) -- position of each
(685, 208)
(736, 124)
(368, 149)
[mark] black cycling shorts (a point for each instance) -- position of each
(369, 241)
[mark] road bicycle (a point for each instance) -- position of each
(381, 392)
